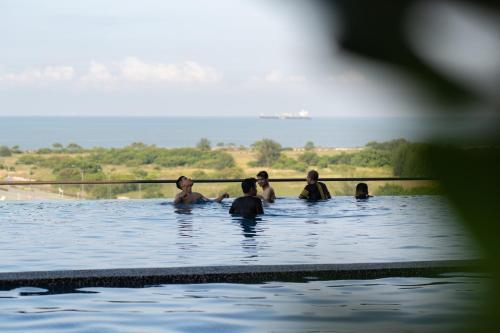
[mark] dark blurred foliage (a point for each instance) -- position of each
(470, 177)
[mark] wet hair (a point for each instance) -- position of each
(263, 174)
(361, 191)
(313, 175)
(248, 184)
(178, 182)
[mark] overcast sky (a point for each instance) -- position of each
(176, 58)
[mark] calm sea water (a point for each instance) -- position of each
(37, 132)
(152, 233)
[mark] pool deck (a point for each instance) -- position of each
(68, 280)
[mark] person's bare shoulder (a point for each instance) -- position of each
(195, 196)
(268, 195)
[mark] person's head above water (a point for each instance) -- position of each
(248, 186)
(312, 177)
(183, 182)
(263, 178)
(361, 191)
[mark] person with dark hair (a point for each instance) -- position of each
(248, 205)
(187, 196)
(362, 191)
(314, 190)
(267, 191)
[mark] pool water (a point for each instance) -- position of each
(444, 304)
(54, 235)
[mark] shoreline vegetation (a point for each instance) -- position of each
(222, 160)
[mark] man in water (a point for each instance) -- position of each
(187, 196)
(248, 205)
(267, 190)
(314, 189)
(362, 191)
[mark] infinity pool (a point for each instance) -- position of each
(151, 233)
(54, 235)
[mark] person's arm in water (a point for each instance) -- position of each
(304, 194)
(221, 197)
(327, 193)
(218, 199)
(272, 196)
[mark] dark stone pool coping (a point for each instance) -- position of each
(141, 277)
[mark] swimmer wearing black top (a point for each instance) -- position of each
(187, 196)
(248, 205)
(314, 189)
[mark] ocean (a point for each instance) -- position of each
(39, 132)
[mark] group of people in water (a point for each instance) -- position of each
(250, 204)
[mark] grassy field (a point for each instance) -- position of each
(242, 159)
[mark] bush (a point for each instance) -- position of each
(309, 158)
(411, 160)
(29, 160)
(204, 144)
(200, 174)
(69, 174)
(391, 189)
(342, 158)
(285, 162)
(231, 173)
(44, 151)
(309, 146)
(16, 150)
(139, 154)
(268, 152)
(387, 145)
(74, 148)
(5, 151)
(372, 158)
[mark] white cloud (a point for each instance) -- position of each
(134, 70)
(43, 75)
(128, 70)
(97, 73)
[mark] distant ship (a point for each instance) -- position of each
(301, 115)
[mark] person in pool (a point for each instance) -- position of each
(314, 190)
(267, 191)
(187, 196)
(362, 191)
(248, 205)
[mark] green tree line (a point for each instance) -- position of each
(405, 158)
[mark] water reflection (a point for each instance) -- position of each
(183, 209)
(184, 216)
(184, 221)
(249, 244)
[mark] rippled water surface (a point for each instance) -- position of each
(152, 233)
(387, 305)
